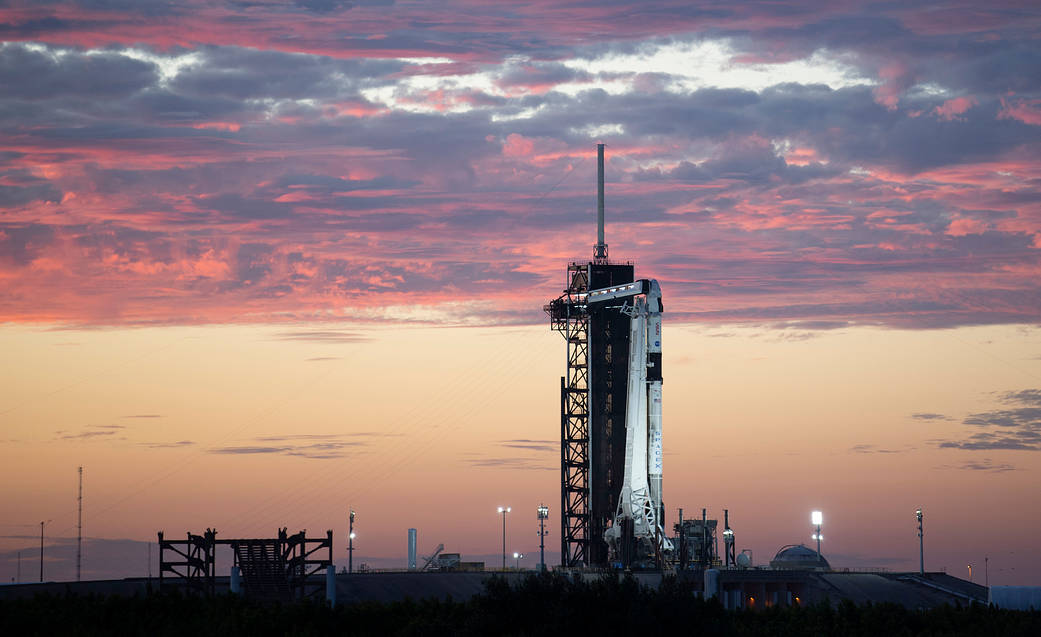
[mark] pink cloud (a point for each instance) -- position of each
(896, 78)
(1026, 111)
(963, 226)
(951, 109)
(518, 146)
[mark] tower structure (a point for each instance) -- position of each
(592, 399)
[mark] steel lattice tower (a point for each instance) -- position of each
(592, 399)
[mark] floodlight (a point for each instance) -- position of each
(816, 518)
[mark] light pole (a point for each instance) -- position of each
(921, 545)
(504, 511)
(42, 524)
(543, 512)
(517, 556)
(816, 518)
(350, 542)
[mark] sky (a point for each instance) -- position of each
(264, 261)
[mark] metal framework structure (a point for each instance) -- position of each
(592, 410)
(280, 569)
(193, 563)
(570, 318)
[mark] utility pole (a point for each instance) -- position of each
(79, 529)
(350, 541)
(41, 550)
(921, 544)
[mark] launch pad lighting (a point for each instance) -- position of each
(816, 517)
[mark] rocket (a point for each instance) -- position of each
(640, 500)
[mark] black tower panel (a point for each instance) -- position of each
(608, 378)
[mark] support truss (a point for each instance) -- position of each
(569, 317)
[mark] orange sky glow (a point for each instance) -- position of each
(260, 262)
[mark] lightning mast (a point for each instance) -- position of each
(600, 250)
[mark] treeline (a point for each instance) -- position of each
(545, 605)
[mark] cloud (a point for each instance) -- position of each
(928, 416)
(510, 463)
(982, 465)
(168, 445)
(1016, 428)
(532, 445)
(179, 163)
(312, 446)
(535, 461)
(148, 416)
(866, 448)
(323, 336)
(87, 435)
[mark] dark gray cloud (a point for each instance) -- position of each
(18, 188)
(241, 73)
(20, 244)
(1015, 428)
(35, 75)
(928, 416)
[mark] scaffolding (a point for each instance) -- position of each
(273, 569)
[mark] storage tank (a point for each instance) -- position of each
(411, 549)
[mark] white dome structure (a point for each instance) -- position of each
(798, 557)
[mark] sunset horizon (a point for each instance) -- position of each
(264, 262)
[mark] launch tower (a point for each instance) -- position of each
(592, 399)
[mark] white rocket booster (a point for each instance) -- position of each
(640, 497)
(654, 380)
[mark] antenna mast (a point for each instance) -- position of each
(600, 251)
(79, 529)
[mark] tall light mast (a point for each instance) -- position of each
(79, 528)
(350, 540)
(921, 545)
